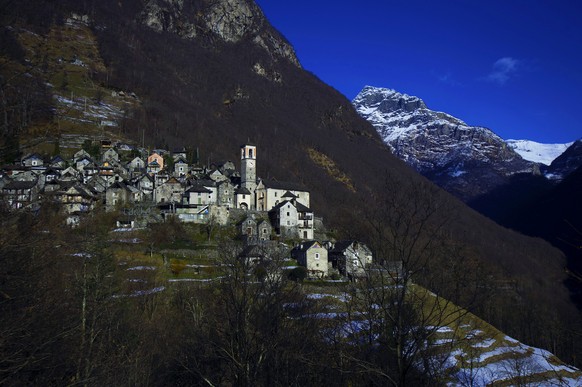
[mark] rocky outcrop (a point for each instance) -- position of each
(566, 163)
(230, 20)
(233, 19)
(169, 16)
(466, 160)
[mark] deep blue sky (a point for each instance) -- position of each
(512, 66)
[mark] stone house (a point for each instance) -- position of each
(253, 254)
(198, 195)
(106, 170)
(82, 162)
(350, 257)
(52, 174)
(264, 230)
(217, 176)
(284, 219)
(269, 193)
(145, 183)
(212, 187)
(161, 178)
(32, 160)
(292, 219)
(180, 168)
(248, 229)
(97, 183)
(80, 155)
(255, 231)
(19, 194)
(25, 175)
(228, 169)
(305, 226)
(110, 155)
(70, 174)
(58, 162)
(117, 194)
(313, 256)
(76, 197)
(120, 193)
(154, 167)
(158, 160)
(226, 192)
(243, 198)
(136, 164)
(179, 154)
(171, 191)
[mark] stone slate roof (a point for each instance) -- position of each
(252, 251)
(243, 191)
(119, 185)
(300, 207)
(206, 183)
(20, 184)
(341, 246)
(284, 185)
(289, 194)
(198, 188)
(303, 247)
(278, 206)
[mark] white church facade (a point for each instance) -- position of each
(272, 196)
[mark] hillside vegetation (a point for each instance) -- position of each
(167, 306)
(207, 93)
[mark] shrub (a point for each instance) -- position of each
(297, 274)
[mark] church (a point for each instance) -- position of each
(287, 204)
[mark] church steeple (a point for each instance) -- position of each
(249, 169)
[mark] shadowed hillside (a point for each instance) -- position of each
(215, 94)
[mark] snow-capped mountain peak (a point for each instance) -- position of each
(466, 160)
(389, 99)
(538, 152)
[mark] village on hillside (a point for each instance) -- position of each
(152, 187)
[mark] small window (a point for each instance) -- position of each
(288, 223)
(355, 263)
(316, 255)
(288, 214)
(275, 194)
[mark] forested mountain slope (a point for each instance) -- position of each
(215, 74)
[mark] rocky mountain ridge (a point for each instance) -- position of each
(230, 20)
(465, 160)
(566, 163)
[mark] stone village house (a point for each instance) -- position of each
(313, 256)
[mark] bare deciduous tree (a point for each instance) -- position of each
(406, 297)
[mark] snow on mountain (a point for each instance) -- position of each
(466, 160)
(538, 152)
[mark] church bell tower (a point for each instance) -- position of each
(248, 166)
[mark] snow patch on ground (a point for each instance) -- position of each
(141, 268)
